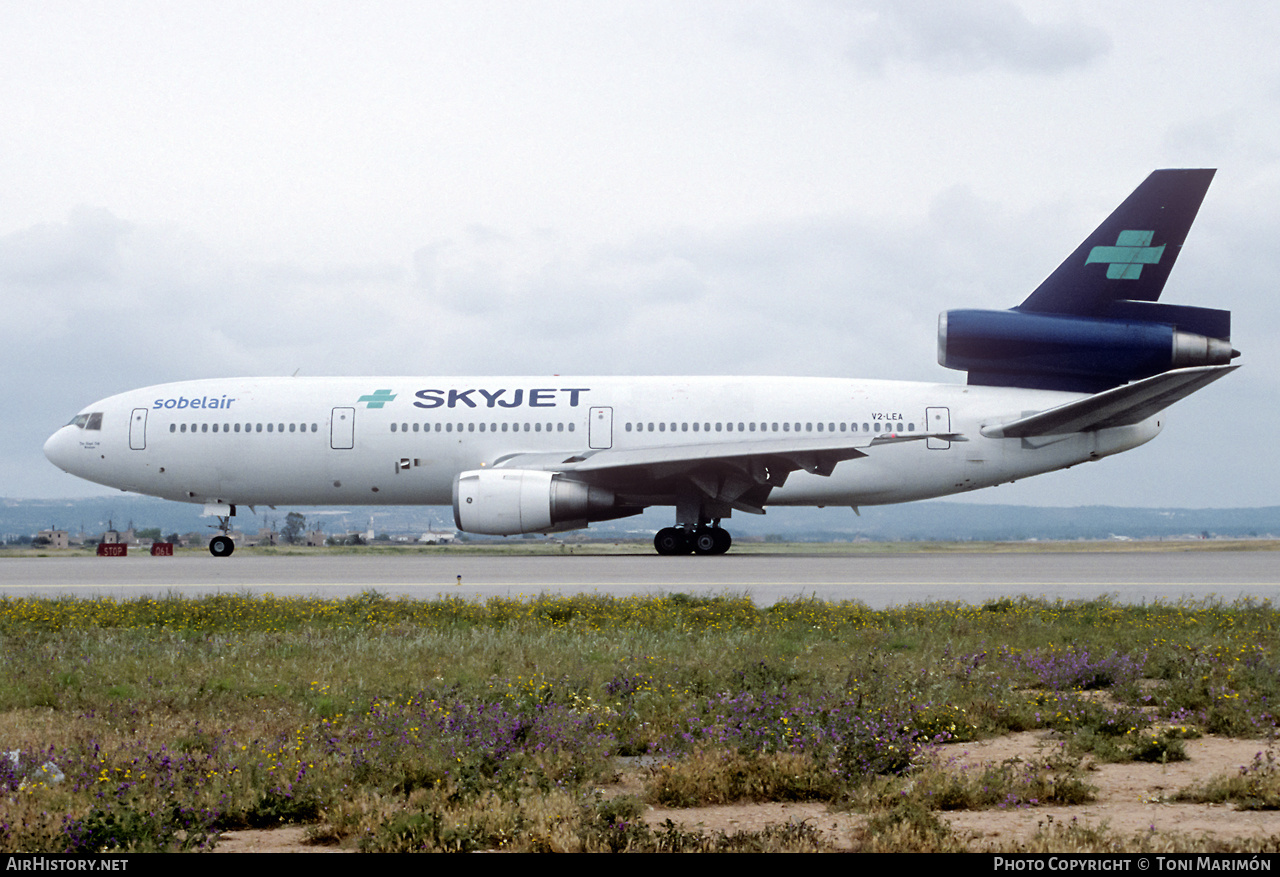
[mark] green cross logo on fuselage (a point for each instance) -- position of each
(1125, 260)
(378, 398)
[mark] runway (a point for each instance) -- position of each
(879, 580)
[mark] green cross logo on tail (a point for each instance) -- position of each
(378, 398)
(1125, 260)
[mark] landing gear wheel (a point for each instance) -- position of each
(671, 540)
(712, 540)
(704, 542)
(221, 546)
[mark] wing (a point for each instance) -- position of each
(738, 475)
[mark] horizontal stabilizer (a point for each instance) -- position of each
(1121, 406)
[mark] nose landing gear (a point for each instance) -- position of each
(222, 546)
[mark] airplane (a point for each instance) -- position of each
(1080, 370)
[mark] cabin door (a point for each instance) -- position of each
(342, 429)
(138, 430)
(600, 429)
(938, 420)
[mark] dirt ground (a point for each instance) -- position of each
(1132, 798)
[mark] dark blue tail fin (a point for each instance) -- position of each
(1129, 256)
(1096, 321)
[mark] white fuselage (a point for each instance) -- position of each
(402, 440)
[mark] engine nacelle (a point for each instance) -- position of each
(507, 502)
(1054, 347)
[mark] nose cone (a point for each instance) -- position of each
(58, 449)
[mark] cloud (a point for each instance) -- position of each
(964, 36)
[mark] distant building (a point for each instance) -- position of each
(54, 538)
(316, 538)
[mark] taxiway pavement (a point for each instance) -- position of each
(879, 580)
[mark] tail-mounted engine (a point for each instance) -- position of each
(1082, 354)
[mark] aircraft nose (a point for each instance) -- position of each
(57, 449)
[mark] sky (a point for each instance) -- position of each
(510, 188)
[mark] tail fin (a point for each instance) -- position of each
(1129, 256)
(1095, 322)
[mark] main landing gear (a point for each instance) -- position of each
(702, 540)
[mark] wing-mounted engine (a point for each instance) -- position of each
(507, 502)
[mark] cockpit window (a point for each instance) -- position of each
(87, 421)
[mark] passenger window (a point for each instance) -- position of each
(204, 427)
(173, 427)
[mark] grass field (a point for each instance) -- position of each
(155, 724)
